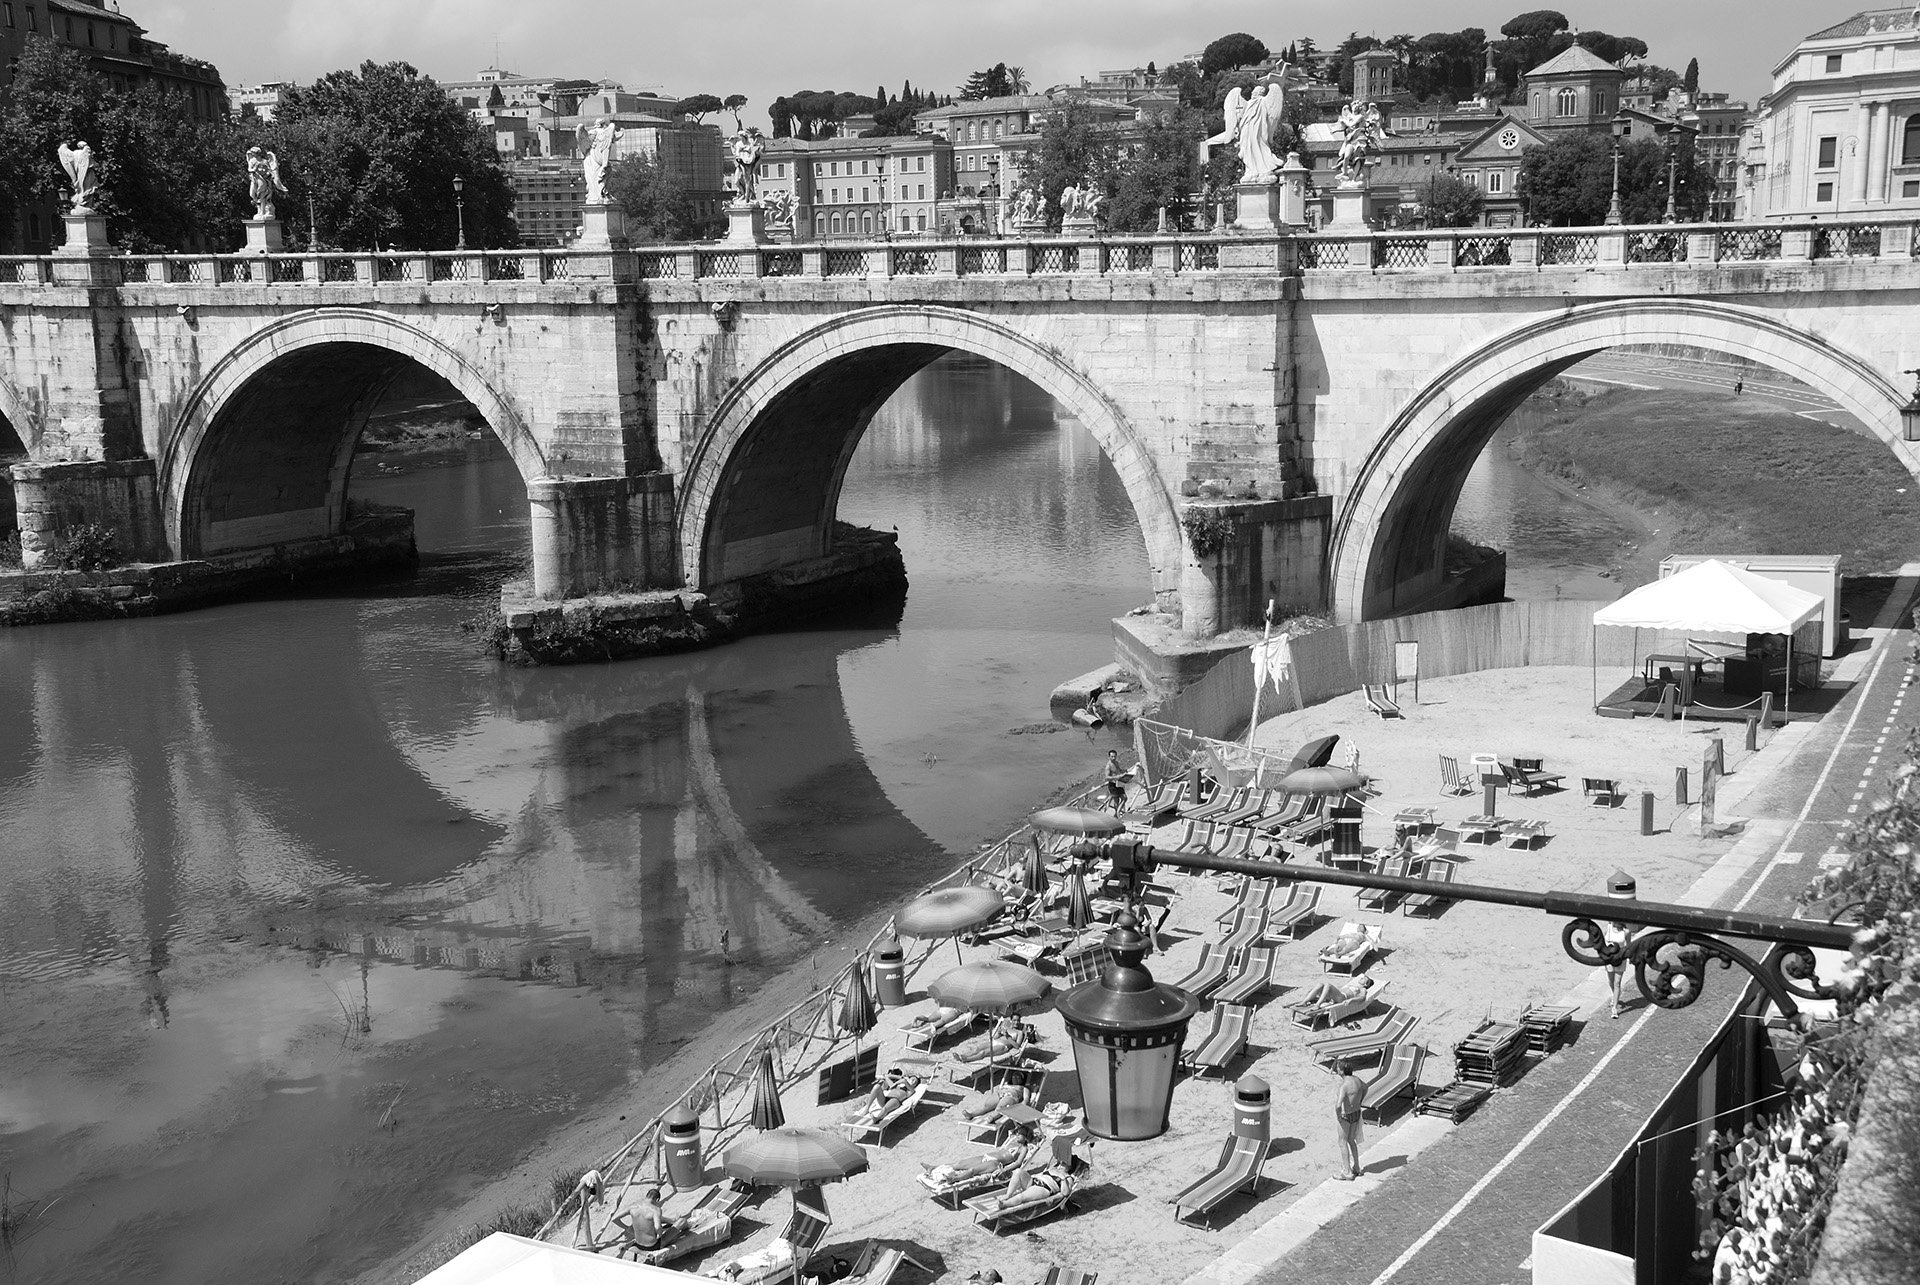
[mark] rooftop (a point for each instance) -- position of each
(1574, 60)
(1870, 21)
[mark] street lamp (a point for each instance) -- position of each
(1614, 217)
(1126, 1030)
(460, 211)
(1673, 170)
(1910, 413)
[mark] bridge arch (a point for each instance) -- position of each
(18, 416)
(1389, 540)
(762, 484)
(261, 449)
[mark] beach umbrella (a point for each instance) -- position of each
(794, 1157)
(949, 912)
(1082, 821)
(1317, 752)
(1037, 881)
(1079, 904)
(990, 986)
(767, 1111)
(1322, 780)
(858, 1013)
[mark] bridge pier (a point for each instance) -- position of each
(121, 497)
(1269, 551)
(596, 535)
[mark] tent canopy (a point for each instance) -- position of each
(501, 1259)
(1714, 597)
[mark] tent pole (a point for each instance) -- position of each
(1593, 657)
(1786, 692)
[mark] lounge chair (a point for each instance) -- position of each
(1530, 782)
(1256, 804)
(1195, 836)
(877, 1264)
(1069, 1276)
(860, 1130)
(1312, 821)
(1439, 869)
(1604, 790)
(1210, 973)
(1224, 1040)
(953, 1191)
(1239, 841)
(1444, 841)
(709, 1225)
(1255, 894)
(1296, 913)
(1451, 782)
(1381, 702)
(1396, 866)
(1249, 928)
(1223, 800)
(1238, 1168)
(1335, 1002)
(789, 1250)
(1350, 947)
(1286, 811)
(1401, 1074)
(988, 1211)
(1255, 975)
(1159, 803)
(1524, 834)
(923, 1037)
(1329, 1049)
(848, 1076)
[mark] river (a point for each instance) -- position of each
(313, 919)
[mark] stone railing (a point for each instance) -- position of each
(1448, 250)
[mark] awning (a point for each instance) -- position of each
(1714, 597)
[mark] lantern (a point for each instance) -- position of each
(1126, 1030)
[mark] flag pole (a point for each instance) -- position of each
(1260, 674)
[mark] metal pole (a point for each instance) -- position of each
(1673, 169)
(460, 214)
(1614, 217)
(1260, 675)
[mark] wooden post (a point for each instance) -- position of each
(1709, 786)
(1680, 786)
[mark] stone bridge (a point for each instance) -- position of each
(684, 416)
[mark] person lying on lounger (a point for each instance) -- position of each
(1007, 1038)
(1028, 1187)
(986, 1102)
(889, 1091)
(777, 1257)
(1332, 993)
(938, 1017)
(985, 1162)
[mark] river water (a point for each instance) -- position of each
(313, 919)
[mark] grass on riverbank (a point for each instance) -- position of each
(1728, 474)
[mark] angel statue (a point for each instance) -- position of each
(1073, 203)
(1260, 119)
(1091, 200)
(596, 156)
(744, 150)
(263, 180)
(1236, 106)
(77, 161)
(1364, 129)
(1028, 209)
(779, 206)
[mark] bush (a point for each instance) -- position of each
(10, 551)
(1208, 529)
(87, 548)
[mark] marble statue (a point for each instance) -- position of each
(1260, 119)
(1236, 107)
(744, 150)
(596, 156)
(263, 182)
(779, 206)
(1073, 203)
(77, 161)
(1363, 130)
(1027, 210)
(1091, 199)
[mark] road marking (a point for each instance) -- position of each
(1813, 795)
(1788, 859)
(1486, 1180)
(1622, 383)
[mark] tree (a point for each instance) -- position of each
(1071, 150)
(655, 200)
(994, 82)
(1447, 63)
(1151, 73)
(1236, 49)
(378, 150)
(1160, 170)
(1614, 49)
(1569, 181)
(1017, 81)
(734, 102)
(1657, 80)
(697, 106)
(1451, 202)
(1691, 82)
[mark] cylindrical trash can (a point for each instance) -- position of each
(889, 973)
(1253, 1110)
(1346, 832)
(680, 1143)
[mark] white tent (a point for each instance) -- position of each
(1716, 597)
(501, 1259)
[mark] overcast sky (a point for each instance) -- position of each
(764, 49)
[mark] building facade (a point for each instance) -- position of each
(992, 137)
(1840, 130)
(850, 188)
(263, 100)
(1573, 90)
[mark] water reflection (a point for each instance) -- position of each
(311, 918)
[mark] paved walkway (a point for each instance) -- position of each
(1466, 1209)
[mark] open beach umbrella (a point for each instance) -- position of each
(1082, 821)
(990, 986)
(767, 1111)
(1037, 881)
(794, 1157)
(858, 1013)
(1079, 904)
(949, 912)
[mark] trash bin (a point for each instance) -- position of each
(680, 1141)
(1346, 832)
(889, 973)
(1843, 634)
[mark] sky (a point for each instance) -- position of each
(765, 48)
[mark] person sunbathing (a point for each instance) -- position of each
(1007, 1038)
(979, 1165)
(889, 1091)
(937, 1018)
(777, 1257)
(1332, 993)
(1028, 1187)
(985, 1103)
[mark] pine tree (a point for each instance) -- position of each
(1691, 83)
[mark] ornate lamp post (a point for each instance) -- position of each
(1614, 218)
(460, 212)
(1126, 1030)
(1673, 172)
(1910, 413)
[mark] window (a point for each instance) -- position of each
(1829, 152)
(866, 224)
(1910, 142)
(835, 194)
(1909, 190)
(866, 194)
(7, 10)
(996, 129)
(1824, 192)
(923, 192)
(1565, 102)
(1496, 181)
(920, 164)
(969, 162)
(834, 169)
(973, 131)
(1833, 64)
(69, 30)
(89, 35)
(920, 222)
(903, 191)
(33, 23)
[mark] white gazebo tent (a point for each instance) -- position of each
(1713, 597)
(502, 1259)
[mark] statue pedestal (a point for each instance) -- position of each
(1079, 225)
(1030, 228)
(1259, 204)
(264, 237)
(1296, 183)
(86, 234)
(602, 227)
(1349, 210)
(746, 224)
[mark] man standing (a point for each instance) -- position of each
(1346, 1118)
(1116, 782)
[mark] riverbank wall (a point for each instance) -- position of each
(373, 539)
(864, 569)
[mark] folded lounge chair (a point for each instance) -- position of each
(1350, 948)
(877, 1264)
(1335, 1002)
(1255, 975)
(1297, 912)
(1401, 1074)
(1224, 1040)
(1381, 703)
(1331, 1048)
(1395, 865)
(1439, 869)
(1210, 972)
(1238, 1169)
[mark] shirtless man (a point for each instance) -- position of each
(646, 1225)
(1346, 1118)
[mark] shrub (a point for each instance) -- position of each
(88, 547)
(1208, 529)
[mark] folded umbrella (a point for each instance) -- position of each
(1083, 821)
(767, 1111)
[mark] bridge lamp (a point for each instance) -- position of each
(1614, 217)
(460, 211)
(1126, 1031)
(1910, 413)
